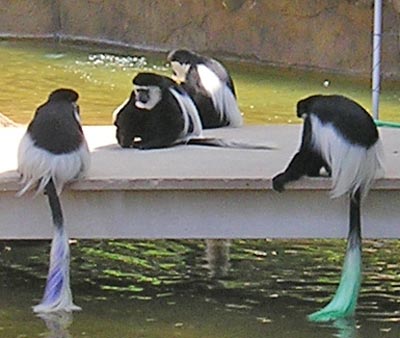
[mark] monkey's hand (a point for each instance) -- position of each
(278, 182)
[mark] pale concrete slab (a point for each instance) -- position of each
(190, 162)
(196, 191)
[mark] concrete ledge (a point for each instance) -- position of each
(196, 192)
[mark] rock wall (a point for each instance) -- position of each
(329, 34)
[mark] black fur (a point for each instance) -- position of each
(347, 116)
(349, 119)
(157, 128)
(353, 151)
(54, 126)
(210, 117)
(163, 125)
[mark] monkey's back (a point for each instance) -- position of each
(55, 128)
(351, 120)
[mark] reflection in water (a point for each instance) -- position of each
(346, 327)
(162, 289)
(217, 257)
(57, 323)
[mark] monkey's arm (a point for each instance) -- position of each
(299, 165)
(157, 140)
(152, 143)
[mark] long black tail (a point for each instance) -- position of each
(354, 236)
(217, 142)
(55, 205)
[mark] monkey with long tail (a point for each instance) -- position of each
(340, 136)
(52, 152)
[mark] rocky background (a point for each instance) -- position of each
(333, 35)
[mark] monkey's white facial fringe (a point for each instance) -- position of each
(353, 166)
(190, 114)
(37, 165)
(180, 71)
(57, 295)
(223, 99)
(154, 97)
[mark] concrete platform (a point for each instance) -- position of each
(197, 192)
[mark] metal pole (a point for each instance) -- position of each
(376, 58)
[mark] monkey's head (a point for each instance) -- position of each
(63, 102)
(63, 94)
(132, 118)
(305, 106)
(181, 60)
(149, 89)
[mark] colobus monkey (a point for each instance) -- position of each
(161, 114)
(52, 152)
(210, 86)
(158, 112)
(341, 136)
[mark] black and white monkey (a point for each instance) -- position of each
(339, 135)
(52, 152)
(210, 86)
(159, 113)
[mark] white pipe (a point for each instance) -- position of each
(376, 58)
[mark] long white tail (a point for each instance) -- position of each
(57, 295)
(344, 302)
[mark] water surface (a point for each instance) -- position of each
(103, 78)
(186, 288)
(151, 289)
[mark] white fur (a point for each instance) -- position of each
(154, 97)
(37, 165)
(180, 71)
(189, 112)
(353, 166)
(76, 112)
(118, 109)
(58, 278)
(222, 97)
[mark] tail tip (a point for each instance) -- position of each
(49, 308)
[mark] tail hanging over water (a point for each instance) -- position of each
(344, 303)
(57, 295)
(53, 152)
(340, 136)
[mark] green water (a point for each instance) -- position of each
(168, 289)
(103, 79)
(186, 288)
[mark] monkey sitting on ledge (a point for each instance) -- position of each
(159, 114)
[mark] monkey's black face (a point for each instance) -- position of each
(142, 95)
(147, 97)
